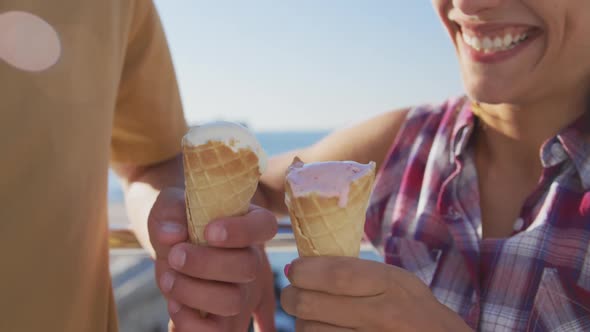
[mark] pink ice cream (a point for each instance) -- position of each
(326, 179)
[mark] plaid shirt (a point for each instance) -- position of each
(424, 216)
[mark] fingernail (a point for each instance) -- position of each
(177, 257)
(173, 306)
(286, 270)
(171, 227)
(167, 281)
(216, 233)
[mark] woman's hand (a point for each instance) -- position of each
(350, 294)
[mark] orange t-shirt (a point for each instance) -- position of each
(84, 83)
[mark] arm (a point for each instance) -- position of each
(142, 185)
(148, 121)
(367, 141)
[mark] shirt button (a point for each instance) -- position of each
(557, 151)
(452, 213)
(518, 224)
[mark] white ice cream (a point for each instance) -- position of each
(231, 134)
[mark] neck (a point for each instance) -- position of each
(518, 131)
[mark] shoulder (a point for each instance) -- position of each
(429, 118)
(424, 134)
(425, 123)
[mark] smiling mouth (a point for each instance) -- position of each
(494, 44)
(497, 40)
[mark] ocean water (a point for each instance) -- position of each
(272, 142)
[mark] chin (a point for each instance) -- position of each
(489, 91)
(486, 97)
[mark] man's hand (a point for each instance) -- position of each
(230, 279)
(350, 294)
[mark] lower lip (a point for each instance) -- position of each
(496, 57)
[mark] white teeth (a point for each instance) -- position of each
(507, 40)
(488, 44)
(467, 39)
(498, 43)
(476, 43)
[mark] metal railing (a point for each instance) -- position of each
(123, 238)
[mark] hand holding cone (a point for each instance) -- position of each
(223, 162)
(327, 203)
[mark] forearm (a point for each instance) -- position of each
(271, 189)
(141, 187)
(368, 141)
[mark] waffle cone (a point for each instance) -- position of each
(322, 227)
(220, 182)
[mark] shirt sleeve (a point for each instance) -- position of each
(148, 122)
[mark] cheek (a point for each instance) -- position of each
(568, 25)
(441, 4)
(441, 7)
(570, 46)
(577, 32)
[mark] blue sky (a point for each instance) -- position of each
(306, 64)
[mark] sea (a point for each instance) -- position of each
(273, 142)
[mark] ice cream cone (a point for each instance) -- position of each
(330, 222)
(221, 176)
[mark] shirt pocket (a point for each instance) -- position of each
(414, 256)
(561, 304)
